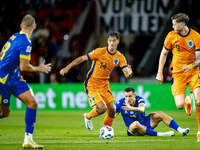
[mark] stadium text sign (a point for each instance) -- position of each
(73, 96)
(132, 16)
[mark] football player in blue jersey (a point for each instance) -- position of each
(132, 109)
(15, 54)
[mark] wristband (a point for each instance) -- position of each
(191, 66)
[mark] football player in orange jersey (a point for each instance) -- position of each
(184, 43)
(96, 84)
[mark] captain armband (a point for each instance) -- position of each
(191, 66)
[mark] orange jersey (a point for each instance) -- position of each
(183, 49)
(104, 62)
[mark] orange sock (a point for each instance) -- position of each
(108, 120)
(92, 113)
(198, 117)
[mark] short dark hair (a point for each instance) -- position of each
(128, 89)
(115, 34)
(181, 17)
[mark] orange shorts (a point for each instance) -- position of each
(180, 81)
(98, 90)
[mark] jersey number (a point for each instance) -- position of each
(178, 48)
(5, 48)
(103, 65)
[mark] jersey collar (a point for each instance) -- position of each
(111, 53)
(26, 35)
(186, 34)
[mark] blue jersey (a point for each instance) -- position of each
(130, 116)
(18, 46)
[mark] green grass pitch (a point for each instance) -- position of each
(62, 130)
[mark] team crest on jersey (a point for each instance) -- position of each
(116, 61)
(5, 101)
(190, 43)
(28, 49)
(93, 98)
(173, 91)
(91, 52)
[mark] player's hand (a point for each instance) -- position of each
(127, 107)
(130, 72)
(45, 68)
(186, 68)
(159, 77)
(64, 71)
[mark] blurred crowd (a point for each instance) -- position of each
(54, 19)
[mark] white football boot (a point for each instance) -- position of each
(88, 122)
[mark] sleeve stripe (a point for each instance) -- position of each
(88, 57)
(166, 48)
(141, 104)
(197, 50)
(28, 57)
(123, 67)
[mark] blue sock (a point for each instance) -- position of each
(173, 125)
(150, 132)
(30, 118)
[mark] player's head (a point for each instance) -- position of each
(179, 21)
(28, 22)
(113, 40)
(130, 95)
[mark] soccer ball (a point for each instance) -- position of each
(106, 132)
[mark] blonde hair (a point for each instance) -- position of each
(28, 21)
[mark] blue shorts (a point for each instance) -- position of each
(145, 122)
(16, 89)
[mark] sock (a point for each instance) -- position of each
(173, 125)
(198, 117)
(30, 118)
(108, 121)
(28, 136)
(129, 133)
(92, 113)
(150, 132)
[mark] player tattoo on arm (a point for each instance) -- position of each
(197, 62)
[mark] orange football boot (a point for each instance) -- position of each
(198, 137)
(188, 107)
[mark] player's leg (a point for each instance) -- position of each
(180, 101)
(95, 100)
(108, 98)
(4, 101)
(196, 94)
(138, 129)
(109, 118)
(160, 116)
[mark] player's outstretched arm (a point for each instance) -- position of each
(139, 109)
(127, 71)
(75, 62)
(26, 66)
(194, 64)
(162, 60)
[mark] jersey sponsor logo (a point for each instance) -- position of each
(5, 101)
(190, 44)
(116, 61)
(28, 49)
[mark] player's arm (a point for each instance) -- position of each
(26, 66)
(194, 64)
(162, 60)
(127, 71)
(75, 62)
(139, 109)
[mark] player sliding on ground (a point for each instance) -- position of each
(132, 109)
(97, 84)
(185, 46)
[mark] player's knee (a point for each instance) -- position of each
(180, 106)
(101, 109)
(135, 125)
(160, 114)
(33, 104)
(197, 103)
